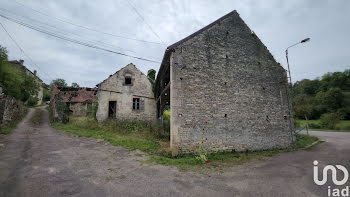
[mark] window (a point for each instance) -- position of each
(136, 103)
(127, 80)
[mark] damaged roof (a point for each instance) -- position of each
(75, 95)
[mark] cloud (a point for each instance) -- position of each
(277, 23)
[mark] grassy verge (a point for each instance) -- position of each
(131, 135)
(37, 117)
(221, 160)
(148, 138)
(8, 127)
(342, 125)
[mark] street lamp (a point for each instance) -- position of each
(303, 41)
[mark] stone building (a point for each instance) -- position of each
(127, 94)
(20, 65)
(78, 102)
(224, 88)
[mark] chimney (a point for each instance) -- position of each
(21, 61)
(34, 72)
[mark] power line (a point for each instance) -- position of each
(22, 49)
(87, 28)
(144, 20)
(75, 41)
(64, 31)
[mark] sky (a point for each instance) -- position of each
(161, 23)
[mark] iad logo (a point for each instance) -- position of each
(335, 191)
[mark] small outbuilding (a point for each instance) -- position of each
(78, 102)
(126, 95)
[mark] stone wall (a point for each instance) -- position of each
(115, 89)
(10, 109)
(227, 88)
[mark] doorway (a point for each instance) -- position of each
(112, 109)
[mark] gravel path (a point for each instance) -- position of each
(40, 161)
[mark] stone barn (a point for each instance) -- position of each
(78, 102)
(127, 94)
(224, 88)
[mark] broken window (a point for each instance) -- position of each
(127, 80)
(138, 104)
(112, 109)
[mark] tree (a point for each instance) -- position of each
(58, 82)
(332, 99)
(75, 85)
(151, 75)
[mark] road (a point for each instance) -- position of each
(40, 161)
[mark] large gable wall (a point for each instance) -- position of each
(227, 88)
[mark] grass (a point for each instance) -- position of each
(130, 135)
(221, 160)
(7, 128)
(37, 117)
(342, 125)
(133, 135)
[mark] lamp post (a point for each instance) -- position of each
(303, 41)
(290, 81)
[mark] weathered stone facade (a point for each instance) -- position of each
(127, 94)
(10, 110)
(225, 87)
(67, 101)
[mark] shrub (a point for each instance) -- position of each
(314, 126)
(329, 120)
(32, 101)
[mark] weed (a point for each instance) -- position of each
(37, 117)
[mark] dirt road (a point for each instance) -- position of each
(40, 161)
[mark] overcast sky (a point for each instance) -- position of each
(278, 24)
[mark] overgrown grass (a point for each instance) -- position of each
(131, 135)
(343, 125)
(148, 138)
(221, 160)
(37, 117)
(9, 126)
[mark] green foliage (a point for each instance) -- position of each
(75, 85)
(3, 54)
(226, 158)
(302, 141)
(151, 75)
(58, 82)
(16, 82)
(131, 135)
(329, 120)
(32, 101)
(326, 95)
(166, 121)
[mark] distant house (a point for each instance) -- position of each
(224, 89)
(77, 102)
(20, 65)
(127, 94)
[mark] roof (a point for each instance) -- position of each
(166, 58)
(201, 30)
(130, 64)
(20, 63)
(75, 95)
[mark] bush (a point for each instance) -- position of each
(32, 101)
(314, 126)
(329, 120)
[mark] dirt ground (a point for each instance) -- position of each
(40, 161)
